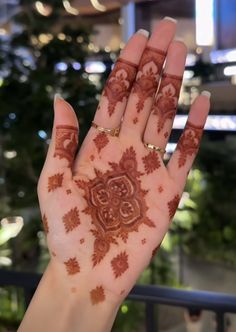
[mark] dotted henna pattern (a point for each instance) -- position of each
(151, 162)
(66, 142)
(189, 142)
(68, 191)
(144, 241)
(148, 75)
(155, 250)
(45, 224)
(97, 295)
(172, 206)
(81, 241)
(160, 189)
(101, 140)
(116, 204)
(55, 181)
(71, 220)
(119, 83)
(166, 101)
(72, 266)
(120, 264)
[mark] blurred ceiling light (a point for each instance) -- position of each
(98, 6)
(188, 74)
(191, 59)
(214, 122)
(94, 67)
(71, 10)
(204, 12)
(3, 31)
(230, 71)
(221, 56)
(43, 9)
(10, 154)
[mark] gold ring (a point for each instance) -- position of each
(109, 131)
(155, 148)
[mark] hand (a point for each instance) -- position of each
(107, 209)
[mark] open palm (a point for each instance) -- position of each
(106, 210)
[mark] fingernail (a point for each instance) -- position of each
(143, 32)
(206, 94)
(170, 19)
(179, 39)
(57, 96)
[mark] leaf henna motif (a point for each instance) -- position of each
(116, 204)
(101, 140)
(72, 266)
(119, 83)
(66, 142)
(151, 162)
(166, 101)
(55, 181)
(97, 295)
(173, 205)
(189, 142)
(148, 75)
(71, 220)
(45, 224)
(120, 264)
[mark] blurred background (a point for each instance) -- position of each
(69, 47)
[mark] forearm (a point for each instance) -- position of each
(56, 306)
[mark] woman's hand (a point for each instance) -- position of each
(107, 209)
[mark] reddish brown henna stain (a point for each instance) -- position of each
(119, 83)
(151, 162)
(160, 189)
(97, 295)
(68, 191)
(101, 140)
(135, 120)
(148, 75)
(92, 157)
(81, 241)
(53, 254)
(189, 142)
(172, 206)
(45, 224)
(166, 101)
(144, 241)
(120, 264)
(155, 250)
(55, 181)
(166, 134)
(116, 203)
(71, 220)
(66, 142)
(72, 266)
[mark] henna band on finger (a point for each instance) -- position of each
(110, 131)
(155, 148)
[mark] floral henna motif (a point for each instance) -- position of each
(116, 204)
(119, 83)
(151, 162)
(101, 140)
(72, 266)
(189, 142)
(148, 75)
(55, 181)
(97, 295)
(155, 250)
(120, 264)
(166, 101)
(66, 142)
(144, 241)
(45, 224)
(160, 189)
(71, 220)
(173, 205)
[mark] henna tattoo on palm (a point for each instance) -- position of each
(66, 142)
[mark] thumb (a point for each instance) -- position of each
(62, 148)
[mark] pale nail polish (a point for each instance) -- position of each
(206, 94)
(170, 19)
(57, 96)
(143, 32)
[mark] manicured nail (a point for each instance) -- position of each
(206, 94)
(170, 19)
(143, 32)
(179, 39)
(57, 96)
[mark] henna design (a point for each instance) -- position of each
(81, 241)
(148, 75)
(55, 181)
(116, 203)
(101, 140)
(53, 254)
(119, 83)
(120, 264)
(144, 241)
(68, 191)
(151, 162)
(66, 142)
(160, 189)
(97, 295)
(71, 220)
(166, 101)
(189, 142)
(135, 120)
(45, 224)
(92, 157)
(72, 266)
(173, 205)
(155, 250)
(122, 292)
(166, 134)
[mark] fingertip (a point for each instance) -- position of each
(64, 113)
(199, 110)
